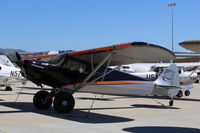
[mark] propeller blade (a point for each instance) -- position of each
(18, 56)
(20, 63)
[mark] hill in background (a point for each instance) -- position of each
(11, 53)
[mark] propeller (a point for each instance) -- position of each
(21, 63)
(18, 56)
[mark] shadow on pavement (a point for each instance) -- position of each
(25, 93)
(153, 106)
(76, 115)
(157, 97)
(158, 129)
(98, 99)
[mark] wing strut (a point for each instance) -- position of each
(94, 70)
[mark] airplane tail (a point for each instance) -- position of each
(169, 78)
(5, 61)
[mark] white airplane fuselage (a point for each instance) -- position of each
(146, 88)
(9, 75)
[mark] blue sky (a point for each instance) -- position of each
(40, 25)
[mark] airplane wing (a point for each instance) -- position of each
(193, 45)
(192, 68)
(127, 53)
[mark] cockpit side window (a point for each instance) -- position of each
(181, 69)
(74, 65)
(70, 63)
(125, 67)
(159, 69)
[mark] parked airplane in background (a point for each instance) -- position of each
(146, 67)
(151, 71)
(87, 71)
(9, 74)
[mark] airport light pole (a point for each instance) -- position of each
(172, 13)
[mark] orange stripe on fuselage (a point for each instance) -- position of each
(107, 82)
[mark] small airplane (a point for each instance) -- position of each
(88, 71)
(151, 71)
(9, 74)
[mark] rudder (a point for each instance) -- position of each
(169, 77)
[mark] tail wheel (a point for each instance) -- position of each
(63, 102)
(41, 100)
(187, 93)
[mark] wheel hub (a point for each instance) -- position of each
(64, 103)
(44, 100)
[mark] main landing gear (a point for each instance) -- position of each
(41, 100)
(63, 101)
(180, 93)
(187, 93)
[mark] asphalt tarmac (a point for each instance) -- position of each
(99, 114)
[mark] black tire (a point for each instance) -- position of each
(8, 88)
(187, 93)
(63, 102)
(171, 103)
(180, 93)
(41, 101)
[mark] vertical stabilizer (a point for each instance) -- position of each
(169, 77)
(5, 61)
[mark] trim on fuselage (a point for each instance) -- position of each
(106, 83)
